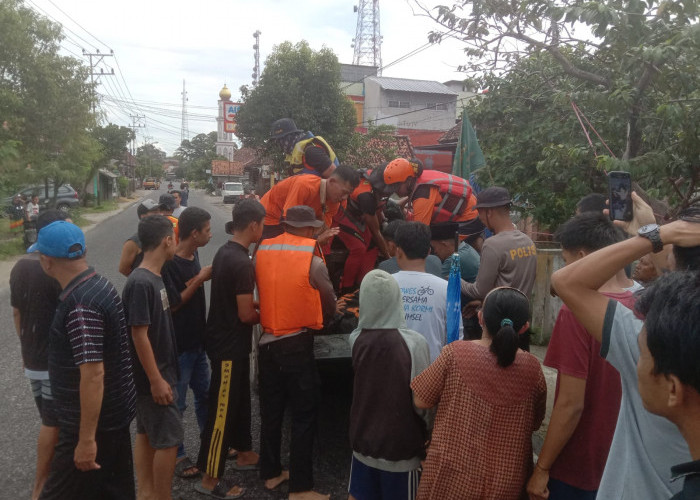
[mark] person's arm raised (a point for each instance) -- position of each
(577, 284)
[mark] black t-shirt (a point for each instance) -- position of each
(36, 296)
(89, 327)
(139, 256)
(146, 303)
(191, 319)
(232, 274)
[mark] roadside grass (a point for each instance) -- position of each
(12, 244)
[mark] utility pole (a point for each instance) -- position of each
(136, 123)
(368, 39)
(184, 130)
(256, 48)
(93, 64)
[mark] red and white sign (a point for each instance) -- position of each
(230, 110)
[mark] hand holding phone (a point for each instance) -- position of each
(620, 196)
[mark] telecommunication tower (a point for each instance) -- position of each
(256, 68)
(184, 128)
(368, 39)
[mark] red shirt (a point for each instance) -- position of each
(573, 351)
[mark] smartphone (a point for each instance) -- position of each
(620, 195)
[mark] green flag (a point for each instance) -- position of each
(468, 157)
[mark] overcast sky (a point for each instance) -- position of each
(207, 43)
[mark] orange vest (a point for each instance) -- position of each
(288, 302)
(176, 230)
(456, 195)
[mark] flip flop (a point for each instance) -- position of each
(219, 491)
(184, 465)
(231, 454)
(245, 467)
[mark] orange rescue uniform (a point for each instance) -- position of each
(297, 190)
(288, 302)
(426, 209)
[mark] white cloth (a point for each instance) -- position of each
(425, 307)
(178, 211)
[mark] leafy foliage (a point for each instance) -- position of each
(196, 156)
(45, 100)
(149, 161)
(636, 79)
(376, 147)
(301, 84)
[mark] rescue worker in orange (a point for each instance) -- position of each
(322, 195)
(360, 231)
(305, 152)
(296, 295)
(167, 207)
(434, 196)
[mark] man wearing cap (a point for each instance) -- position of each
(132, 255)
(322, 195)
(167, 208)
(91, 374)
(296, 295)
(305, 153)
(509, 257)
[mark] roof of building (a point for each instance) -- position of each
(407, 85)
(451, 135)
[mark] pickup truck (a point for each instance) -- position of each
(151, 183)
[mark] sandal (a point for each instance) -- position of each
(220, 490)
(231, 454)
(186, 469)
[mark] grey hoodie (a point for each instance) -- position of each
(383, 411)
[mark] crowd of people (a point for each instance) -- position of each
(429, 419)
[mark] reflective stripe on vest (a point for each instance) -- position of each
(296, 157)
(288, 302)
(454, 190)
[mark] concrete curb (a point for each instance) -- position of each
(95, 218)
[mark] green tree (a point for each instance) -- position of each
(45, 100)
(196, 155)
(632, 66)
(113, 141)
(149, 161)
(301, 84)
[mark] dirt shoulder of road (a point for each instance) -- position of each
(93, 218)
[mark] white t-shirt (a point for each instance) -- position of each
(178, 211)
(425, 307)
(644, 446)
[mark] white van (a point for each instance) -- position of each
(232, 191)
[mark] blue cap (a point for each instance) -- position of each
(60, 239)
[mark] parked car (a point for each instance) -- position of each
(66, 198)
(151, 183)
(232, 191)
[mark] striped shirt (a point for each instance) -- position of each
(89, 327)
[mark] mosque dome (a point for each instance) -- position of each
(225, 93)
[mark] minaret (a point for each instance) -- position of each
(225, 146)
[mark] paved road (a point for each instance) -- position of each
(19, 419)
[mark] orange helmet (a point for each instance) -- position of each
(399, 170)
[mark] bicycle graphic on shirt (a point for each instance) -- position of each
(425, 290)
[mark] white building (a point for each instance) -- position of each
(225, 145)
(409, 104)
